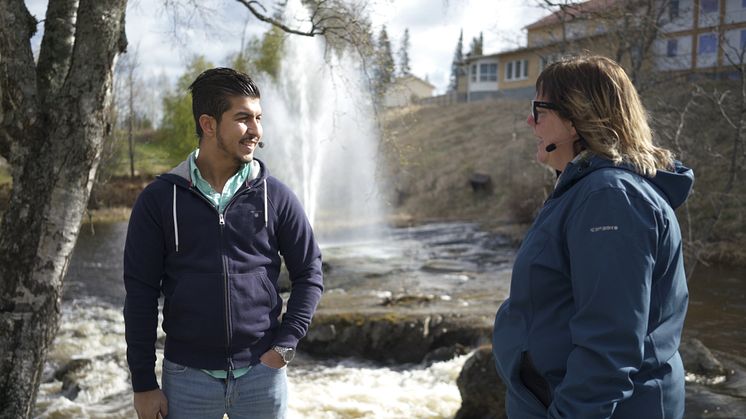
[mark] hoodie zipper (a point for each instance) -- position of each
(228, 323)
(224, 258)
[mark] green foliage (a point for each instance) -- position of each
(262, 55)
(458, 57)
(384, 65)
(477, 44)
(177, 131)
(404, 68)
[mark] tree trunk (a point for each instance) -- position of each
(52, 124)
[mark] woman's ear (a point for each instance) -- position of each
(208, 125)
(570, 126)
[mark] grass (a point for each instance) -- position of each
(434, 150)
(150, 158)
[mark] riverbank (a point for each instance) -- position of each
(475, 162)
(396, 311)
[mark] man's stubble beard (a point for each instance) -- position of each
(221, 145)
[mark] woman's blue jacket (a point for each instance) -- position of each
(598, 299)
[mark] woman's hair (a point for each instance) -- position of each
(595, 94)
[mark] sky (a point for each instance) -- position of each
(166, 41)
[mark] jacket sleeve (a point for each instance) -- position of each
(611, 241)
(143, 270)
(302, 257)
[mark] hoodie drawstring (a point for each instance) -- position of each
(176, 223)
(265, 204)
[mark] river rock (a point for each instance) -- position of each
(408, 300)
(70, 374)
(482, 391)
(698, 359)
(445, 353)
(447, 266)
(393, 337)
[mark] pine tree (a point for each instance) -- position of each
(458, 57)
(404, 69)
(476, 45)
(384, 71)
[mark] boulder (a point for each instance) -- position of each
(698, 359)
(482, 391)
(394, 337)
(70, 375)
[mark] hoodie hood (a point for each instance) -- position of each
(180, 176)
(675, 186)
(258, 171)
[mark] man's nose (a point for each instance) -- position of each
(252, 126)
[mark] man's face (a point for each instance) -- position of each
(240, 129)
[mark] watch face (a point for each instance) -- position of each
(288, 355)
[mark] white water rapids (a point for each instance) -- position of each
(328, 389)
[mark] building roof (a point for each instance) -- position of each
(571, 11)
(411, 78)
(469, 58)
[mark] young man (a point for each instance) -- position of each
(209, 236)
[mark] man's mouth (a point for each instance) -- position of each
(249, 142)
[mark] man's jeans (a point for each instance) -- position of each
(261, 393)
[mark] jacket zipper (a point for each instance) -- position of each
(229, 359)
(224, 257)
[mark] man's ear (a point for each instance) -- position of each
(208, 124)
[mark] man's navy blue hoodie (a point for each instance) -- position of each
(218, 274)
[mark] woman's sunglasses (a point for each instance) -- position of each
(536, 104)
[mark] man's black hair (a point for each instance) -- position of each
(212, 89)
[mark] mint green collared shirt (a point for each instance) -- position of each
(220, 200)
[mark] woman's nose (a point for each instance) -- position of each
(530, 120)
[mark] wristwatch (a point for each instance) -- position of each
(287, 354)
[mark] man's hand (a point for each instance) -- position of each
(151, 404)
(272, 359)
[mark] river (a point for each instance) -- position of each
(90, 343)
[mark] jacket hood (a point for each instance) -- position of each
(180, 174)
(675, 186)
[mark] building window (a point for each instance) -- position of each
(671, 47)
(673, 9)
(516, 70)
(707, 44)
(708, 6)
(488, 72)
(743, 4)
(743, 39)
(473, 72)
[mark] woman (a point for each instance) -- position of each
(598, 294)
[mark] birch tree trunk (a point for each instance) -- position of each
(52, 124)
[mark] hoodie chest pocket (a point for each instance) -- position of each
(247, 219)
